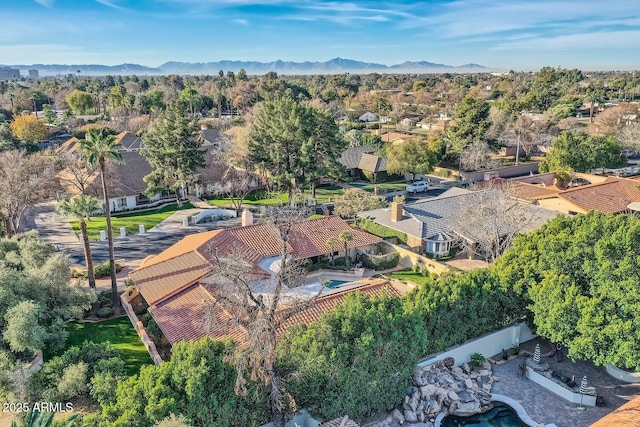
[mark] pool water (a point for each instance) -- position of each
(333, 283)
(502, 415)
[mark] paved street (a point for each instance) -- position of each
(57, 230)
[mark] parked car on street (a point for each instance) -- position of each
(417, 187)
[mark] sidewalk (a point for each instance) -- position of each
(174, 221)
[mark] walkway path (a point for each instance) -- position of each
(199, 203)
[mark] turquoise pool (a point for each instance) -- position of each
(333, 283)
(502, 415)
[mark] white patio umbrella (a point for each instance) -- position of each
(583, 390)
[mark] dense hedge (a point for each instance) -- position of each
(456, 308)
(357, 360)
(381, 230)
(195, 383)
(380, 262)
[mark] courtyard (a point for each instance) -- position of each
(546, 407)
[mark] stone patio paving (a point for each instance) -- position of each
(546, 407)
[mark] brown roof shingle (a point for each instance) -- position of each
(181, 316)
(186, 261)
(371, 163)
(628, 415)
(340, 422)
(609, 197)
(161, 280)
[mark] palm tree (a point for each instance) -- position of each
(82, 207)
(332, 242)
(99, 149)
(345, 237)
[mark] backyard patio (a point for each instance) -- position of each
(546, 407)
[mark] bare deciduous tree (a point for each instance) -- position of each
(629, 136)
(235, 185)
(477, 156)
(261, 306)
(488, 221)
(24, 181)
(74, 174)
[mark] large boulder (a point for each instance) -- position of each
(410, 416)
(449, 362)
(397, 415)
(427, 391)
(466, 396)
(466, 409)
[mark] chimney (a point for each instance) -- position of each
(247, 218)
(396, 211)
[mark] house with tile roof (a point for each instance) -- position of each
(350, 159)
(127, 188)
(611, 196)
(586, 192)
(176, 282)
(433, 225)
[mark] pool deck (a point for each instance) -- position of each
(546, 407)
(542, 405)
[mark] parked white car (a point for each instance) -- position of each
(418, 187)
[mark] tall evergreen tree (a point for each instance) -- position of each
(295, 143)
(472, 122)
(172, 151)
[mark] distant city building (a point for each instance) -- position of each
(8, 73)
(34, 74)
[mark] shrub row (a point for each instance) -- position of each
(381, 230)
(100, 270)
(380, 262)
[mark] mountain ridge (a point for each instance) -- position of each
(333, 66)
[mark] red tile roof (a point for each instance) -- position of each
(165, 278)
(609, 197)
(180, 317)
(186, 261)
(340, 422)
(628, 415)
(523, 190)
(323, 305)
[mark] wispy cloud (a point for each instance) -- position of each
(241, 21)
(470, 18)
(571, 42)
(111, 4)
(46, 3)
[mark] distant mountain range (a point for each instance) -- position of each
(333, 66)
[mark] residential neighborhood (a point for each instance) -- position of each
(303, 243)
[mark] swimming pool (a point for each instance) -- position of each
(502, 415)
(333, 283)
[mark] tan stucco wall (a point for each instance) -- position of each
(415, 242)
(409, 259)
(560, 205)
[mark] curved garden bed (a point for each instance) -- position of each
(622, 375)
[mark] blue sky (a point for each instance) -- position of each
(507, 34)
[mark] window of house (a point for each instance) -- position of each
(122, 202)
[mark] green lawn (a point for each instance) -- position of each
(130, 221)
(323, 195)
(409, 275)
(119, 332)
(386, 187)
